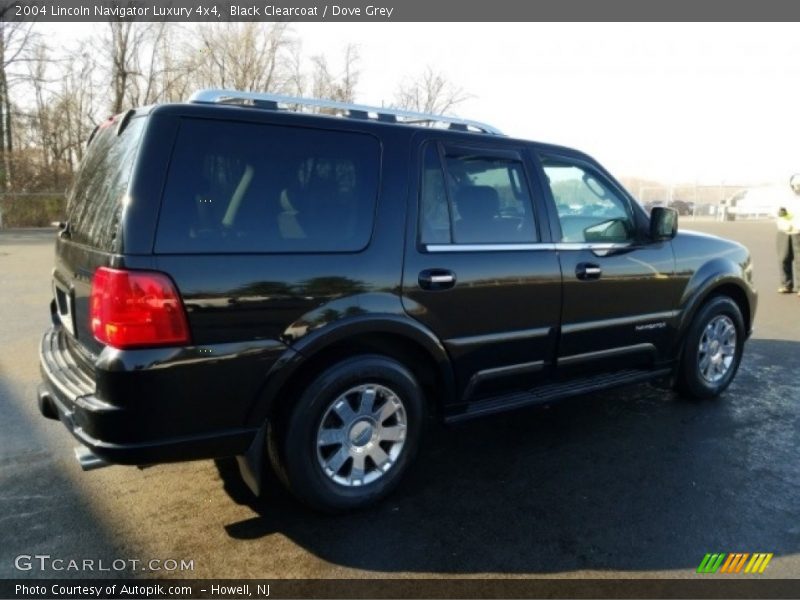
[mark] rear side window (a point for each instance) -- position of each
(96, 201)
(246, 187)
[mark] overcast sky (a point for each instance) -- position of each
(710, 103)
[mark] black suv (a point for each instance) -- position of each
(238, 277)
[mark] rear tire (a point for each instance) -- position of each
(712, 350)
(351, 434)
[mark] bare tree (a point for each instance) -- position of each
(123, 46)
(51, 133)
(145, 76)
(144, 64)
(15, 38)
(37, 77)
(296, 79)
(135, 52)
(60, 96)
(161, 68)
(341, 87)
(175, 58)
(77, 102)
(244, 56)
(350, 73)
(431, 92)
(322, 81)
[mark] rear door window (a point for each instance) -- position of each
(474, 196)
(248, 187)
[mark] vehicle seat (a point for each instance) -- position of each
(288, 224)
(478, 207)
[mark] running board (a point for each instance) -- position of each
(555, 391)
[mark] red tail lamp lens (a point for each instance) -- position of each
(130, 309)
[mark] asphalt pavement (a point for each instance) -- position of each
(629, 483)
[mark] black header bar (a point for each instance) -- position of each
(398, 10)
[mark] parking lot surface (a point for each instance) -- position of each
(630, 483)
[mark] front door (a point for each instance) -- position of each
(620, 290)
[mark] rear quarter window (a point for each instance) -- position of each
(247, 187)
(97, 198)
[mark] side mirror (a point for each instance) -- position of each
(663, 223)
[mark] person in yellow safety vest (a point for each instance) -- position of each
(788, 240)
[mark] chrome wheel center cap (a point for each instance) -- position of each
(361, 433)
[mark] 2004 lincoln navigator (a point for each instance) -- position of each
(238, 277)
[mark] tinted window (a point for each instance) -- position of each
(475, 199)
(245, 187)
(434, 209)
(588, 207)
(95, 203)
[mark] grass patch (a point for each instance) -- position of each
(26, 210)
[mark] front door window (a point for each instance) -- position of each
(589, 210)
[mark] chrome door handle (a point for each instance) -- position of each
(441, 279)
(436, 279)
(587, 271)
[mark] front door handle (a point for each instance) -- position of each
(587, 271)
(436, 279)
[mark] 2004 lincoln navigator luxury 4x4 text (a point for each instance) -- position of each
(240, 277)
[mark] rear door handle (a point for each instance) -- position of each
(587, 271)
(436, 279)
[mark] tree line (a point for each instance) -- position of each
(51, 100)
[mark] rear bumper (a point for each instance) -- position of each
(137, 410)
(216, 445)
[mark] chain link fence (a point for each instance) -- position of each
(38, 209)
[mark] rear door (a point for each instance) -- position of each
(620, 289)
(479, 271)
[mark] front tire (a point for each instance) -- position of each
(713, 349)
(352, 433)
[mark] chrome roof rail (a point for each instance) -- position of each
(353, 111)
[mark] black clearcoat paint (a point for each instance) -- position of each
(512, 320)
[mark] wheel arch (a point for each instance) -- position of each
(716, 278)
(394, 336)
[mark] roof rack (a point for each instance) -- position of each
(344, 109)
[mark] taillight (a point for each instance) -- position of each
(131, 309)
